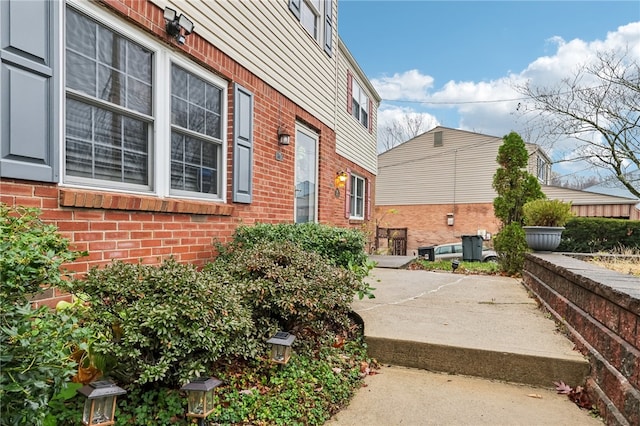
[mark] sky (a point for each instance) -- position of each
(446, 59)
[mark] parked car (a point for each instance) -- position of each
(452, 251)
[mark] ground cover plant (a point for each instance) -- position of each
(152, 328)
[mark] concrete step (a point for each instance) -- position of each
(511, 367)
(476, 325)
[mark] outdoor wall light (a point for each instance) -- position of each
(100, 405)
(200, 397)
(341, 179)
(283, 136)
(177, 26)
(281, 347)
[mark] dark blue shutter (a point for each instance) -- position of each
(242, 145)
(29, 92)
(294, 6)
(328, 26)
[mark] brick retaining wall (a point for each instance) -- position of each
(601, 312)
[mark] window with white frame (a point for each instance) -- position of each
(360, 104)
(357, 197)
(542, 170)
(118, 134)
(310, 17)
(316, 17)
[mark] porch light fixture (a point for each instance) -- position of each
(200, 396)
(100, 405)
(178, 27)
(341, 179)
(283, 136)
(281, 347)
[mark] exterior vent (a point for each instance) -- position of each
(437, 139)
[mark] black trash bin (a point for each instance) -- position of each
(428, 252)
(472, 248)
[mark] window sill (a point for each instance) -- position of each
(115, 201)
(356, 221)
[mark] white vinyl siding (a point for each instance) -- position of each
(353, 141)
(267, 39)
(459, 171)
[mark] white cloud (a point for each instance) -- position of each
(481, 106)
(410, 85)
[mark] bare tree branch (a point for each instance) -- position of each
(598, 106)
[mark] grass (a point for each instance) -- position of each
(486, 268)
(624, 260)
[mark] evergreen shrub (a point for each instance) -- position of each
(592, 235)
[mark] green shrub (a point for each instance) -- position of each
(287, 287)
(592, 235)
(35, 344)
(339, 246)
(544, 212)
(511, 245)
(165, 324)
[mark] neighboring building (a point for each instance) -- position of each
(438, 186)
(591, 204)
(139, 144)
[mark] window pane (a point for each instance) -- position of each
(179, 113)
(139, 62)
(214, 99)
(196, 118)
(213, 125)
(136, 137)
(81, 73)
(139, 96)
(309, 19)
(196, 90)
(80, 34)
(78, 120)
(179, 82)
(111, 85)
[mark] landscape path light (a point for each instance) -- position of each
(100, 405)
(200, 397)
(281, 347)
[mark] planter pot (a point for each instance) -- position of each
(543, 238)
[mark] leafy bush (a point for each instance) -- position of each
(287, 287)
(165, 324)
(339, 246)
(592, 235)
(511, 245)
(544, 212)
(35, 344)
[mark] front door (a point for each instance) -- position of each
(306, 179)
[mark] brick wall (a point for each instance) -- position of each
(131, 227)
(601, 312)
(427, 224)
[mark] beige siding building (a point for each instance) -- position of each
(439, 187)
